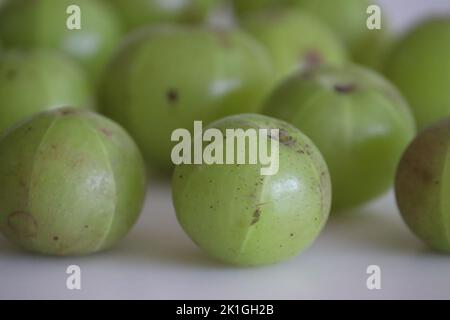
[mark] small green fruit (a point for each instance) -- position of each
(36, 81)
(72, 183)
(238, 216)
(348, 18)
(423, 186)
(167, 77)
(294, 39)
(420, 66)
(358, 120)
(136, 13)
(30, 24)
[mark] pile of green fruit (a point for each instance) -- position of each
(84, 112)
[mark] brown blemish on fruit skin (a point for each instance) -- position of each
(256, 216)
(172, 96)
(106, 132)
(344, 88)
(55, 238)
(312, 59)
(284, 138)
(23, 223)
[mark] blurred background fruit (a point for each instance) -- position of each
(423, 186)
(137, 13)
(35, 81)
(295, 40)
(165, 78)
(30, 24)
(357, 119)
(419, 65)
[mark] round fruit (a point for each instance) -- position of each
(258, 219)
(294, 39)
(138, 13)
(423, 185)
(348, 18)
(167, 77)
(358, 120)
(420, 66)
(36, 81)
(30, 24)
(73, 183)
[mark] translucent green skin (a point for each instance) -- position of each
(294, 39)
(136, 13)
(348, 19)
(240, 217)
(168, 77)
(420, 66)
(73, 183)
(423, 185)
(37, 81)
(30, 24)
(357, 119)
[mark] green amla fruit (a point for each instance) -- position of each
(348, 18)
(167, 77)
(72, 183)
(358, 120)
(136, 13)
(44, 23)
(420, 66)
(423, 186)
(294, 39)
(241, 217)
(39, 80)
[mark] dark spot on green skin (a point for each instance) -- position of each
(172, 96)
(67, 112)
(86, 226)
(55, 238)
(108, 133)
(312, 59)
(284, 138)
(292, 234)
(180, 176)
(256, 216)
(211, 207)
(344, 88)
(23, 224)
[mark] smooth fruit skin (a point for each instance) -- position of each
(420, 66)
(348, 18)
(137, 13)
(295, 40)
(357, 119)
(422, 186)
(73, 183)
(39, 80)
(167, 77)
(243, 218)
(42, 24)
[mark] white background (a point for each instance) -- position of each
(157, 261)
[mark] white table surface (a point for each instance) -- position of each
(157, 261)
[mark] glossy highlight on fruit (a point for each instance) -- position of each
(73, 183)
(39, 80)
(357, 119)
(240, 217)
(294, 39)
(422, 186)
(420, 66)
(43, 24)
(166, 77)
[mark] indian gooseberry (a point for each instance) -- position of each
(39, 80)
(295, 40)
(30, 24)
(420, 66)
(72, 183)
(137, 13)
(348, 18)
(258, 219)
(358, 120)
(166, 77)
(423, 185)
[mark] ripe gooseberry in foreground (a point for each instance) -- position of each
(72, 183)
(39, 80)
(357, 119)
(166, 77)
(420, 66)
(422, 186)
(241, 217)
(294, 39)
